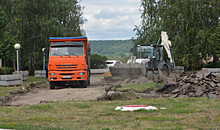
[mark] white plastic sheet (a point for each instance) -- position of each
(135, 107)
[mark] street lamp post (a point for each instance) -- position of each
(43, 49)
(17, 47)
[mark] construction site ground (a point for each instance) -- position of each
(201, 84)
(38, 93)
(42, 93)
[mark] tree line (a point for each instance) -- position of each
(192, 25)
(30, 23)
(111, 47)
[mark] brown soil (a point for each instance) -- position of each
(42, 93)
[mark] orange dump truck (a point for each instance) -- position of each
(69, 61)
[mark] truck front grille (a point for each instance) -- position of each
(66, 66)
(67, 74)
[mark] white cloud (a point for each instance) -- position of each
(109, 20)
(107, 13)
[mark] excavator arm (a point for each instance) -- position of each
(168, 46)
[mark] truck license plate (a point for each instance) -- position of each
(66, 77)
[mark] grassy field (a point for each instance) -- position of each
(180, 113)
(4, 91)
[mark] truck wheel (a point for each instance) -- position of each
(165, 71)
(85, 84)
(52, 85)
(88, 78)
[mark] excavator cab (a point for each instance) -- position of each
(156, 57)
(144, 51)
(148, 60)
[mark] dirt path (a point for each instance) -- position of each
(96, 89)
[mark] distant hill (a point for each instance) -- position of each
(111, 48)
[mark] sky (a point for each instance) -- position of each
(111, 19)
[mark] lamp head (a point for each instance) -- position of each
(17, 46)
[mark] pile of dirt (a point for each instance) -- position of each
(197, 84)
(21, 91)
(107, 73)
(116, 92)
(120, 80)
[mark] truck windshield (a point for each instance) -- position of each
(66, 51)
(145, 52)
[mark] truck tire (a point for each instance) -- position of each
(52, 85)
(165, 71)
(85, 84)
(88, 77)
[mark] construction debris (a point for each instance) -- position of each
(115, 92)
(197, 84)
(135, 107)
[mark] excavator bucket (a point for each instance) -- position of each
(127, 70)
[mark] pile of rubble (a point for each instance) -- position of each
(197, 84)
(116, 92)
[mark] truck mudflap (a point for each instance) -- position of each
(127, 70)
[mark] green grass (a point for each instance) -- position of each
(180, 113)
(32, 79)
(41, 107)
(117, 78)
(84, 106)
(5, 91)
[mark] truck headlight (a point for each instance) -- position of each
(80, 73)
(52, 74)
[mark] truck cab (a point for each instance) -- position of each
(69, 61)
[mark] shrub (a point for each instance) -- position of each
(98, 61)
(8, 70)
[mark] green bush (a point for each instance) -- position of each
(8, 70)
(97, 61)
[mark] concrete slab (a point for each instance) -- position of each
(10, 83)
(98, 71)
(10, 77)
(203, 73)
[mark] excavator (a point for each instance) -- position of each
(148, 60)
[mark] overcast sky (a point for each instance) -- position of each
(111, 19)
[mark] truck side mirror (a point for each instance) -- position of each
(131, 50)
(89, 50)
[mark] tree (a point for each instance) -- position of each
(97, 61)
(38, 20)
(149, 30)
(2, 17)
(190, 25)
(7, 38)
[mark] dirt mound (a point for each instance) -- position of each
(197, 84)
(107, 73)
(116, 92)
(22, 91)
